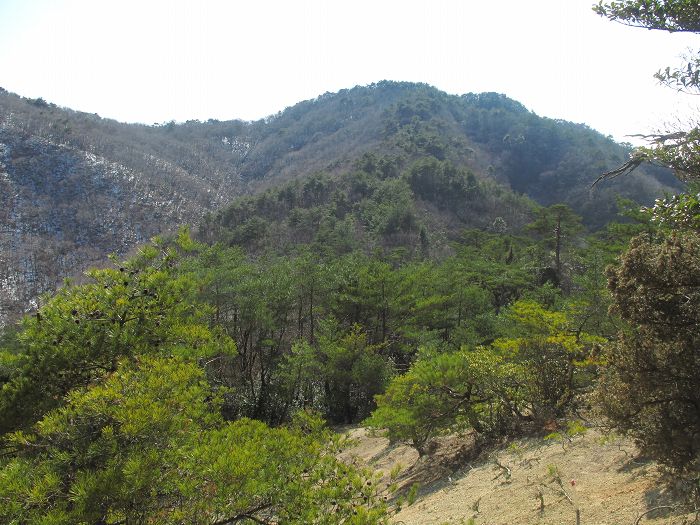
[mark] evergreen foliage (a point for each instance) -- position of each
(446, 392)
(495, 389)
(147, 445)
(118, 389)
(649, 388)
(83, 332)
(400, 164)
(175, 387)
(405, 287)
(418, 208)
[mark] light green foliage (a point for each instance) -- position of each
(443, 392)
(131, 430)
(140, 307)
(573, 429)
(10, 353)
(391, 210)
(102, 452)
(553, 359)
(412, 495)
(678, 211)
(408, 498)
(147, 445)
(134, 391)
(533, 374)
(413, 408)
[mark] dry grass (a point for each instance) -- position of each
(529, 481)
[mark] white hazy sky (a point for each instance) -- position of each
(159, 60)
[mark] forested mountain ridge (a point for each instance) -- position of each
(434, 268)
(76, 186)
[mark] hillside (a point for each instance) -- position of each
(198, 381)
(76, 187)
(601, 475)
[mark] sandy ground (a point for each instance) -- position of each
(529, 481)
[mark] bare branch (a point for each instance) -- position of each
(627, 168)
(652, 510)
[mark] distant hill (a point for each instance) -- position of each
(386, 204)
(75, 187)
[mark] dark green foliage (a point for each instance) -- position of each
(668, 15)
(550, 161)
(500, 264)
(417, 209)
(559, 230)
(443, 184)
(650, 389)
(145, 394)
(140, 180)
(339, 376)
(279, 309)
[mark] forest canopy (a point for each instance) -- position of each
(199, 380)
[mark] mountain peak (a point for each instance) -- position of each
(77, 186)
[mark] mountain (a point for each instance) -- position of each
(75, 187)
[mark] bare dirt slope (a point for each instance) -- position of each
(529, 481)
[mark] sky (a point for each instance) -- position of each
(153, 61)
